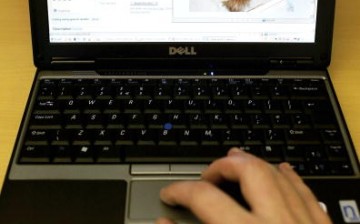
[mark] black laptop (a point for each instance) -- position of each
(131, 95)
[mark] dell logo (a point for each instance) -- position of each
(189, 51)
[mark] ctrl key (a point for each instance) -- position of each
(35, 154)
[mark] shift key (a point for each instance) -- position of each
(306, 136)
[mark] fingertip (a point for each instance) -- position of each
(163, 220)
(289, 171)
(285, 166)
(164, 196)
(235, 151)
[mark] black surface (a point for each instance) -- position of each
(331, 191)
(327, 191)
(53, 202)
(60, 202)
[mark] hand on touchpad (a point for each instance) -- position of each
(145, 203)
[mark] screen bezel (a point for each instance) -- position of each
(45, 52)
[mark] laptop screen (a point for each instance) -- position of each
(193, 21)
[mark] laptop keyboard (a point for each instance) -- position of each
(127, 121)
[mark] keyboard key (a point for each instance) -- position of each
(254, 149)
(260, 121)
(115, 121)
(341, 168)
(63, 154)
(274, 136)
(323, 120)
(218, 121)
(84, 154)
(318, 168)
(167, 137)
(302, 136)
(108, 154)
(300, 167)
(281, 121)
(336, 152)
(294, 153)
(173, 154)
(331, 136)
(253, 106)
(239, 121)
(253, 137)
(39, 135)
(35, 154)
(273, 153)
(45, 119)
(304, 91)
(146, 137)
(301, 121)
(315, 153)
(220, 92)
(46, 105)
(136, 121)
(189, 137)
(232, 137)
(210, 137)
(124, 137)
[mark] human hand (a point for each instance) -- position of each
(276, 195)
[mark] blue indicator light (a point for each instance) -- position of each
(168, 126)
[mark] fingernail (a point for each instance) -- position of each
(164, 198)
(286, 166)
(235, 150)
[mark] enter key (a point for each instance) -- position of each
(304, 137)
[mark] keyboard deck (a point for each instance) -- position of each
(110, 121)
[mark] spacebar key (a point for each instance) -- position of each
(172, 154)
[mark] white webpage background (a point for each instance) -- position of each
(80, 21)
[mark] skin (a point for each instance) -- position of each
(276, 195)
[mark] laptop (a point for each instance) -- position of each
(132, 95)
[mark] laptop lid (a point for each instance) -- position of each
(275, 33)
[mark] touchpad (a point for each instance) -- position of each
(145, 203)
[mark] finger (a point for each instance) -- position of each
(206, 201)
(257, 180)
(164, 220)
(305, 193)
(290, 195)
(296, 205)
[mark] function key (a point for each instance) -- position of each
(66, 82)
(47, 89)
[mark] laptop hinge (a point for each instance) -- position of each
(70, 61)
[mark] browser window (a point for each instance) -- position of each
(283, 21)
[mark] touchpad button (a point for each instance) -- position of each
(145, 203)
